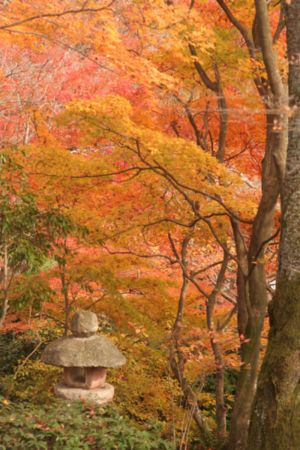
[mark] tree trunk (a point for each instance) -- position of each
(272, 176)
(5, 305)
(254, 283)
(177, 363)
(275, 420)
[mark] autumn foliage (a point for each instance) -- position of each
(132, 141)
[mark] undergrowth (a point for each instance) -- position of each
(73, 426)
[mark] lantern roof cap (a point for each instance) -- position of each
(85, 348)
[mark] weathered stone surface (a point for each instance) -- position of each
(84, 324)
(84, 377)
(99, 396)
(93, 351)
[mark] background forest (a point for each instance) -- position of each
(142, 155)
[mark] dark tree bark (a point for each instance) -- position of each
(275, 422)
(251, 282)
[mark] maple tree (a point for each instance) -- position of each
(252, 276)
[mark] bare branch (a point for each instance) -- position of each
(241, 27)
(173, 247)
(139, 255)
(98, 175)
(226, 321)
(217, 263)
(49, 15)
(212, 85)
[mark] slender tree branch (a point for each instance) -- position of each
(140, 255)
(210, 266)
(60, 14)
(242, 28)
(212, 85)
(222, 325)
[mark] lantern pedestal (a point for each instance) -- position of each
(99, 396)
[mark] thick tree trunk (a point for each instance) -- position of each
(275, 420)
(5, 306)
(254, 283)
(272, 175)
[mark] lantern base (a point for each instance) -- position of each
(99, 396)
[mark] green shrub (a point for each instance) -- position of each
(73, 426)
(13, 347)
(22, 378)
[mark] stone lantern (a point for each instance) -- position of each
(85, 356)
